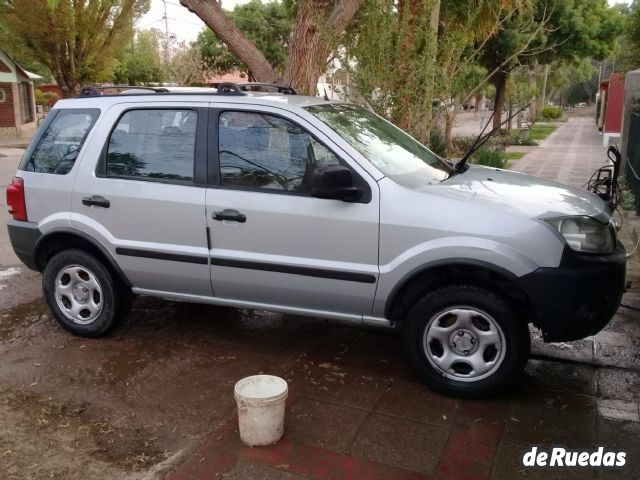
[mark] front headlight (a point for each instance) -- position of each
(585, 234)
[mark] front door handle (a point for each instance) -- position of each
(230, 215)
(96, 201)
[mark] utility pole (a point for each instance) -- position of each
(166, 34)
(166, 40)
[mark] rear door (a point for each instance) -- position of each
(144, 196)
(272, 243)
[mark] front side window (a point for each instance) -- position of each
(263, 151)
(61, 142)
(154, 145)
(397, 155)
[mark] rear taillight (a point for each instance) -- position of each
(15, 199)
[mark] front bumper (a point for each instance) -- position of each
(577, 298)
(24, 237)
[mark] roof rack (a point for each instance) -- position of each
(257, 87)
(224, 88)
(94, 90)
(229, 88)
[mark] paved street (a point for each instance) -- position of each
(155, 399)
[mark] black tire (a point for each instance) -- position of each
(508, 363)
(110, 301)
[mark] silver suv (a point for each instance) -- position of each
(301, 205)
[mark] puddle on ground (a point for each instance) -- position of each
(6, 274)
(124, 364)
(20, 317)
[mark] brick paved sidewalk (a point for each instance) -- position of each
(569, 155)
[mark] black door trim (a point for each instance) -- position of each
(305, 271)
(174, 257)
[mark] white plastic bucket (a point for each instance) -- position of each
(261, 404)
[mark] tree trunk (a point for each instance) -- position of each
(210, 11)
(449, 120)
(543, 97)
(308, 50)
(533, 105)
(499, 80)
(417, 120)
(318, 28)
(314, 37)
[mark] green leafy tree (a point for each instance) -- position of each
(76, 40)
(267, 25)
(628, 57)
(390, 50)
(188, 66)
(463, 28)
(408, 56)
(549, 31)
(141, 62)
(565, 74)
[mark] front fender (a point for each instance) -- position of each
(454, 251)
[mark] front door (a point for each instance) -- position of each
(144, 201)
(272, 243)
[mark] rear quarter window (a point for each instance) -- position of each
(61, 141)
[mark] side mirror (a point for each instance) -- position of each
(334, 182)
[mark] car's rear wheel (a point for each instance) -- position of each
(466, 341)
(85, 298)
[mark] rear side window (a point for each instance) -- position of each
(153, 145)
(61, 142)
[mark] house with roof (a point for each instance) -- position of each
(17, 99)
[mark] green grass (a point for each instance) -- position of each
(537, 132)
(489, 157)
(514, 155)
(540, 132)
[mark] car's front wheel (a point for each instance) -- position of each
(466, 341)
(85, 298)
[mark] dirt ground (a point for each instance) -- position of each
(113, 408)
(133, 405)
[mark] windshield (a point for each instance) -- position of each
(393, 152)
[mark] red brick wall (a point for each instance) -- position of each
(50, 88)
(4, 68)
(7, 116)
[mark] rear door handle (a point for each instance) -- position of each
(96, 201)
(230, 215)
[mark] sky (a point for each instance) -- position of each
(182, 23)
(185, 25)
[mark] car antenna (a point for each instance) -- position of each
(460, 166)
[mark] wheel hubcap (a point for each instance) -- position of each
(464, 344)
(78, 294)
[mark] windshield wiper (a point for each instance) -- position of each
(461, 166)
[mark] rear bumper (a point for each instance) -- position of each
(24, 237)
(577, 298)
